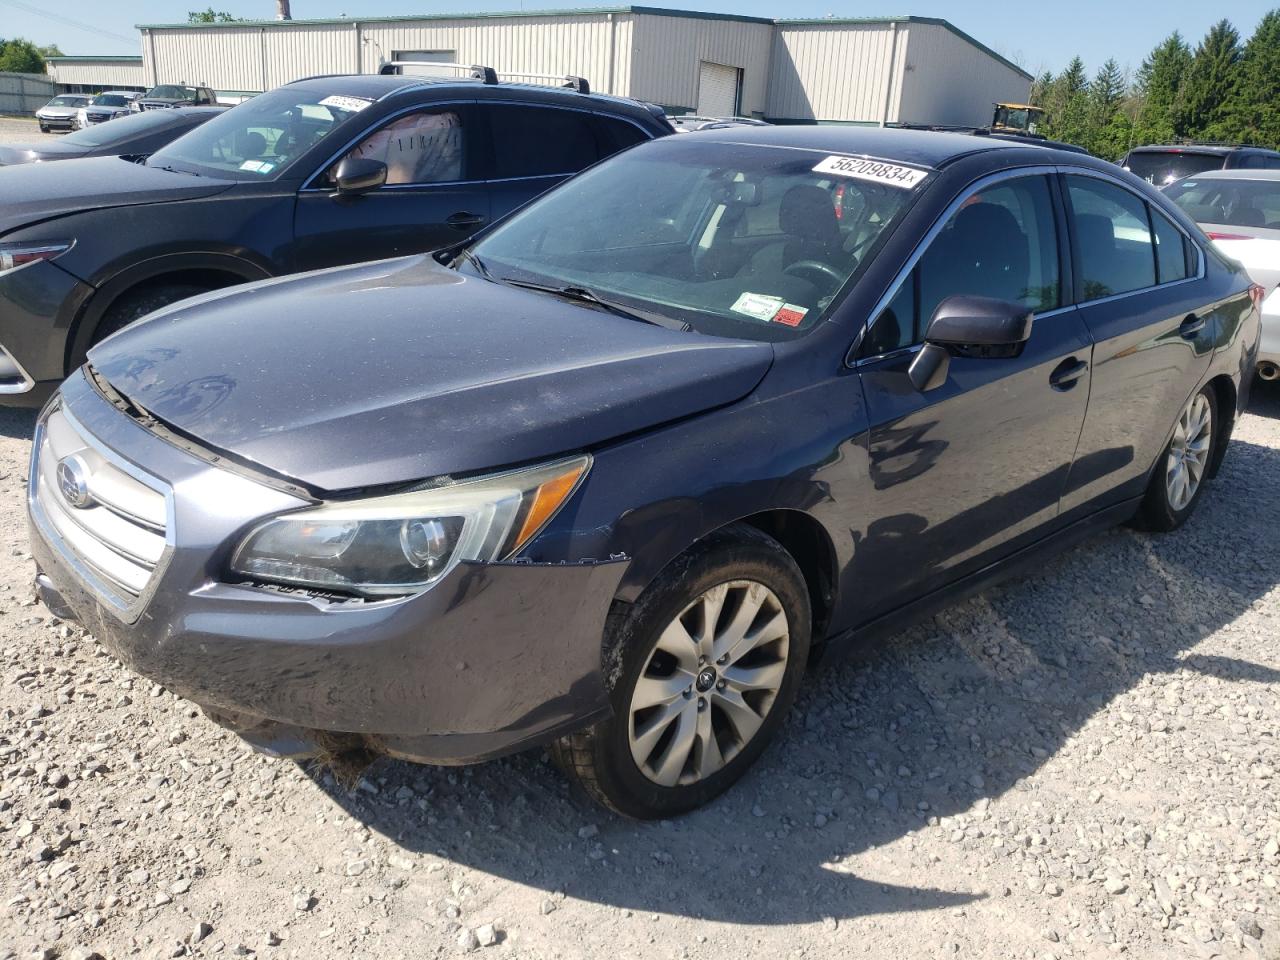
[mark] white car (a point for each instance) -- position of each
(1239, 210)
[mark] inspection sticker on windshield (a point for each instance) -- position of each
(790, 315)
(345, 103)
(887, 173)
(758, 305)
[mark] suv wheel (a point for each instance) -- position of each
(711, 657)
(137, 304)
(1180, 475)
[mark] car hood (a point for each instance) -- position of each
(402, 370)
(34, 192)
(57, 112)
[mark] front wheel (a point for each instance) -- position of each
(1180, 475)
(710, 658)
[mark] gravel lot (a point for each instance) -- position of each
(1077, 764)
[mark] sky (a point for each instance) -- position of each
(1037, 36)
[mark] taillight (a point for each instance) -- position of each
(1257, 293)
(14, 256)
(839, 201)
(1227, 236)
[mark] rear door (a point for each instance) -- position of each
(435, 193)
(1140, 297)
(533, 147)
(964, 474)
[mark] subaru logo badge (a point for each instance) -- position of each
(73, 481)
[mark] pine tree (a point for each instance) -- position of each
(1108, 128)
(1255, 110)
(1159, 86)
(1210, 84)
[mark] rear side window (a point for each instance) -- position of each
(614, 135)
(1171, 249)
(1001, 243)
(540, 141)
(1113, 239)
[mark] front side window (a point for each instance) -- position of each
(540, 141)
(427, 146)
(1115, 253)
(258, 138)
(730, 240)
(1001, 243)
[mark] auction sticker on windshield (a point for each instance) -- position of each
(891, 174)
(757, 305)
(345, 103)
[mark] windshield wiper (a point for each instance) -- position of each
(584, 295)
(176, 170)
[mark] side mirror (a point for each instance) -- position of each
(969, 326)
(357, 175)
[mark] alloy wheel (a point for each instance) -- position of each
(709, 683)
(1189, 452)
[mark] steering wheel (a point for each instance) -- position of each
(811, 269)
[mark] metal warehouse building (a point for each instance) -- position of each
(873, 70)
(91, 74)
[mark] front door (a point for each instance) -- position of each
(434, 196)
(963, 474)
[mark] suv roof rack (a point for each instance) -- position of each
(1012, 136)
(488, 75)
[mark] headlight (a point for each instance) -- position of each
(14, 256)
(400, 544)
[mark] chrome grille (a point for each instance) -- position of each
(119, 532)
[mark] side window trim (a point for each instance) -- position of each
(1197, 274)
(314, 183)
(977, 186)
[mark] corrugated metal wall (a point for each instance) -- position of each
(949, 80)
(837, 71)
(97, 73)
(24, 92)
(257, 57)
(667, 51)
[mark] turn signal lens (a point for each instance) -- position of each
(546, 501)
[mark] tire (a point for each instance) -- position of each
(695, 740)
(43, 128)
(1168, 503)
(138, 303)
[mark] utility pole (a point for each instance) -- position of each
(282, 10)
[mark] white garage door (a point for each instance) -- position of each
(717, 90)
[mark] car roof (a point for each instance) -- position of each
(1215, 149)
(1236, 174)
(930, 148)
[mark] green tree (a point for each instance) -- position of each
(212, 16)
(20, 56)
(1108, 127)
(1159, 88)
(51, 50)
(1255, 109)
(1203, 109)
(1067, 103)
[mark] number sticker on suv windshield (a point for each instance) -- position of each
(877, 170)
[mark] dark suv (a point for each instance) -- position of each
(169, 95)
(1162, 165)
(316, 173)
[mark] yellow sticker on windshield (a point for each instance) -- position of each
(891, 174)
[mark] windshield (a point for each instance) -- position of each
(1237, 203)
(168, 91)
(110, 100)
(1161, 168)
(122, 128)
(67, 102)
(732, 240)
(254, 140)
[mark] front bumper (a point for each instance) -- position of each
(61, 123)
(1269, 346)
(493, 658)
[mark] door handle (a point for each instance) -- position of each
(1191, 327)
(1066, 374)
(462, 220)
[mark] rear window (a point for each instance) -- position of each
(1162, 168)
(1236, 203)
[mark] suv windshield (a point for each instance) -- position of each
(732, 240)
(168, 91)
(255, 139)
(1236, 203)
(1164, 167)
(110, 100)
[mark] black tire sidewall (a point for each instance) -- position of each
(134, 306)
(1159, 514)
(721, 558)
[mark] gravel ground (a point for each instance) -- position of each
(1077, 764)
